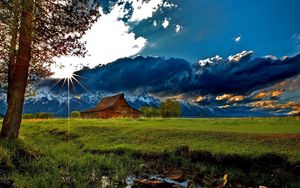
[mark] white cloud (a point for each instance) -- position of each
(166, 23)
(178, 28)
(238, 38)
(239, 56)
(210, 60)
(232, 58)
(296, 37)
(145, 9)
(272, 57)
(169, 5)
(110, 38)
(152, 45)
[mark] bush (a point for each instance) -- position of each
(170, 108)
(44, 115)
(28, 116)
(39, 115)
(150, 112)
(75, 114)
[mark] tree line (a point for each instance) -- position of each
(168, 108)
(47, 115)
(39, 115)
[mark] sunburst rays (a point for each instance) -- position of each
(70, 82)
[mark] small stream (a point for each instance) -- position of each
(131, 181)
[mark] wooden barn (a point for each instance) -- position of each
(111, 107)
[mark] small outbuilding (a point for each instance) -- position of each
(112, 107)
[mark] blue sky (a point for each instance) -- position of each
(189, 29)
(210, 27)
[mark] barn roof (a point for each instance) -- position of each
(105, 103)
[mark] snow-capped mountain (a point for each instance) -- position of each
(143, 99)
(46, 101)
(60, 104)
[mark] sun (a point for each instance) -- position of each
(62, 70)
(63, 73)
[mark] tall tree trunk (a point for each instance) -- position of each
(19, 77)
(14, 36)
(13, 45)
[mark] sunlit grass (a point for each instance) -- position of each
(56, 154)
(247, 136)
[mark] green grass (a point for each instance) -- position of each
(246, 136)
(57, 150)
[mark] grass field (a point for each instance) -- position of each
(62, 152)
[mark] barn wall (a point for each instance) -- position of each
(121, 109)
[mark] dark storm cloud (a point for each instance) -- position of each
(170, 77)
(140, 74)
(245, 76)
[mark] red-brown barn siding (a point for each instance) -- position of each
(112, 107)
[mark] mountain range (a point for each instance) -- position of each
(146, 81)
(60, 104)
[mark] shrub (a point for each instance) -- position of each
(150, 112)
(44, 115)
(28, 116)
(75, 114)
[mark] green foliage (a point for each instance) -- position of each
(4, 155)
(75, 114)
(150, 111)
(39, 115)
(28, 116)
(170, 108)
(44, 115)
